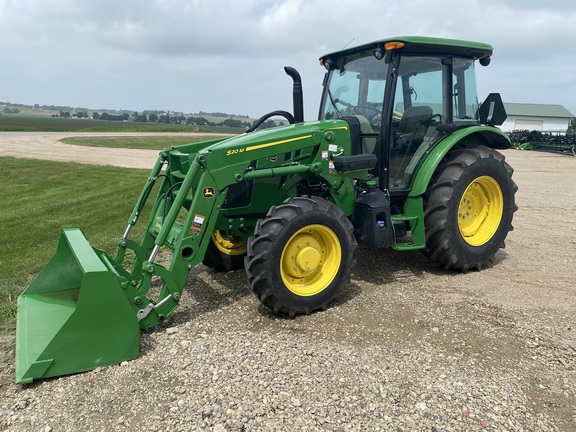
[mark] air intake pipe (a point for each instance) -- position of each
(296, 94)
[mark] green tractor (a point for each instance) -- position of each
(401, 156)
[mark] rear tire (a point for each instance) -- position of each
(299, 255)
(469, 207)
(224, 253)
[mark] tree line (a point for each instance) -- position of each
(166, 118)
(148, 116)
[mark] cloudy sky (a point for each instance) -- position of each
(228, 55)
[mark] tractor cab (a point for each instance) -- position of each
(405, 95)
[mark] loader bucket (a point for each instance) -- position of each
(74, 316)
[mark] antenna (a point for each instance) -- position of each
(351, 40)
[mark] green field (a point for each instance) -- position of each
(30, 123)
(39, 198)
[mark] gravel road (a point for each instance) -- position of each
(406, 347)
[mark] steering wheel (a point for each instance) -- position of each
(376, 119)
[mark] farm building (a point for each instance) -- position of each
(540, 117)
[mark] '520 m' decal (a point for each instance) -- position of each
(261, 146)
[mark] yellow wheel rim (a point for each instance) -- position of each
(310, 260)
(480, 211)
(227, 244)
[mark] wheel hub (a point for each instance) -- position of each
(310, 260)
(303, 255)
(480, 211)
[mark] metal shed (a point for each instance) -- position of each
(540, 117)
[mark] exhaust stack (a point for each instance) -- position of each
(296, 94)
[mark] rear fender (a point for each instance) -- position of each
(485, 135)
(414, 204)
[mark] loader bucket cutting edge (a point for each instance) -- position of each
(74, 316)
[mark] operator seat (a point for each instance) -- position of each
(368, 143)
(362, 134)
(413, 126)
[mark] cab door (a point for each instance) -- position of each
(419, 107)
(433, 95)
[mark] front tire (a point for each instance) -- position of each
(469, 207)
(224, 252)
(299, 255)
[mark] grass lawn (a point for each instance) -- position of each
(136, 142)
(41, 197)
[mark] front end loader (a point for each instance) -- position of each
(401, 156)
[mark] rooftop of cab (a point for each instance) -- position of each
(422, 45)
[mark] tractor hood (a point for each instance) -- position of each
(273, 137)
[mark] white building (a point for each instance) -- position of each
(540, 117)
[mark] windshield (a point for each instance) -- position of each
(357, 88)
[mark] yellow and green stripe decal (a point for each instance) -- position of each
(261, 146)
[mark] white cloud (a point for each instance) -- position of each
(228, 55)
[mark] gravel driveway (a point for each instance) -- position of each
(405, 347)
(47, 146)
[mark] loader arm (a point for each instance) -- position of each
(193, 184)
(191, 201)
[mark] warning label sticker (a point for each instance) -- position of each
(331, 169)
(197, 224)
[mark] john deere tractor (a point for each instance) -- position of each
(401, 156)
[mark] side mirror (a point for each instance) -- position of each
(492, 111)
